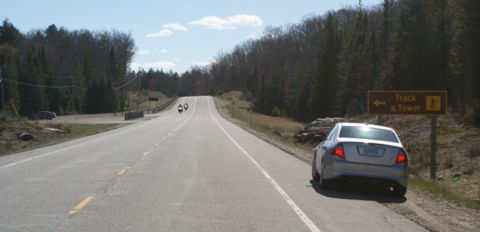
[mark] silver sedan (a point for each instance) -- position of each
(362, 152)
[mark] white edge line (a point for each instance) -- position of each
(305, 219)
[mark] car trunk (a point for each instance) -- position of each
(370, 153)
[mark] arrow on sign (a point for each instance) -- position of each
(378, 102)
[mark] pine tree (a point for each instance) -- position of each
(32, 95)
(110, 98)
(467, 59)
(9, 60)
(9, 33)
(355, 69)
(324, 83)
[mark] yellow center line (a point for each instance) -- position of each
(179, 126)
(189, 118)
(121, 172)
(80, 205)
(170, 134)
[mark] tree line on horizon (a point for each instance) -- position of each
(64, 71)
(320, 66)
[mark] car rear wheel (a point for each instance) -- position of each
(315, 175)
(324, 183)
(399, 190)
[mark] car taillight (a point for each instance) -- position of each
(401, 157)
(338, 151)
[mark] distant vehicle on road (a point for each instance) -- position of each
(361, 152)
(180, 108)
(44, 115)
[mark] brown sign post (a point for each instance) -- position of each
(432, 103)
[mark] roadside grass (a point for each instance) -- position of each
(442, 192)
(283, 129)
(81, 130)
(279, 128)
(72, 131)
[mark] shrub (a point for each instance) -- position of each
(448, 163)
(276, 111)
(469, 171)
(472, 113)
(474, 151)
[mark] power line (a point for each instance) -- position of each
(117, 81)
(43, 86)
(125, 84)
(62, 86)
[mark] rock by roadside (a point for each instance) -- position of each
(424, 209)
(316, 130)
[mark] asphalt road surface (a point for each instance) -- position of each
(193, 171)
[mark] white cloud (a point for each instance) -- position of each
(268, 34)
(163, 50)
(168, 30)
(175, 27)
(162, 33)
(245, 20)
(152, 65)
(253, 35)
(231, 22)
(143, 51)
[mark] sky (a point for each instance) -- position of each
(171, 35)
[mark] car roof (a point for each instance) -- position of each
(365, 124)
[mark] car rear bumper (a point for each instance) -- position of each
(342, 168)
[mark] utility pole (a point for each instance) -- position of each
(3, 95)
(251, 112)
(433, 148)
(74, 94)
(138, 78)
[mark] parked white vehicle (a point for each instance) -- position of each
(363, 152)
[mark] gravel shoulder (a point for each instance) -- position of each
(423, 208)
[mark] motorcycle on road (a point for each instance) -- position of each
(180, 108)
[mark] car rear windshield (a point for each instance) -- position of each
(364, 132)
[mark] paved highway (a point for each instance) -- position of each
(193, 171)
